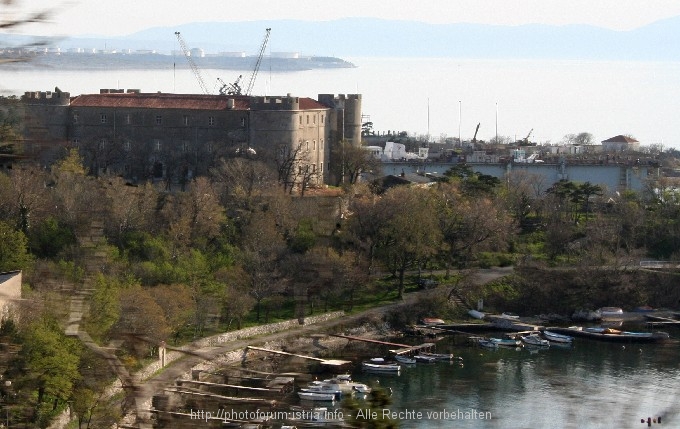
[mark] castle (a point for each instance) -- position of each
(175, 137)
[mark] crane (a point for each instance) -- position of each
(474, 138)
(249, 88)
(192, 64)
(230, 88)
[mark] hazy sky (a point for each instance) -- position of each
(121, 17)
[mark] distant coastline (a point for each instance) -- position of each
(146, 61)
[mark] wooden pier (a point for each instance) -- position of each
(328, 362)
(403, 348)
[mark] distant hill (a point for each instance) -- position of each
(362, 37)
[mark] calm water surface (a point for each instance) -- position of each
(590, 385)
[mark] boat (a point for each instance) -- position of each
(535, 340)
(405, 360)
(317, 396)
(324, 387)
(441, 356)
(613, 335)
(424, 359)
(506, 342)
(510, 316)
(380, 365)
(557, 338)
(347, 385)
(433, 321)
(487, 343)
(476, 314)
(609, 313)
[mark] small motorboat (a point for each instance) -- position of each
(424, 359)
(317, 396)
(535, 340)
(506, 342)
(441, 356)
(557, 338)
(488, 344)
(380, 365)
(405, 359)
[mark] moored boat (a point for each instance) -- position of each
(317, 396)
(557, 338)
(424, 359)
(380, 365)
(506, 342)
(405, 360)
(487, 343)
(433, 321)
(442, 356)
(535, 340)
(614, 335)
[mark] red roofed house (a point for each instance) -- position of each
(620, 143)
(175, 137)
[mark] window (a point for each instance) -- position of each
(307, 119)
(126, 145)
(185, 146)
(75, 118)
(314, 119)
(156, 145)
(321, 144)
(102, 118)
(76, 142)
(128, 119)
(102, 144)
(185, 120)
(243, 122)
(322, 119)
(321, 168)
(159, 120)
(211, 120)
(300, 119)
(314, 145)
(307, 145)
(210, 147)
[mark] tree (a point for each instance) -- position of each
(51, 366)
(410, 234)
(351, 161)
(13, 249)
(177, 304)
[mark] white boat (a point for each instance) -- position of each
(347, 385)
(324, 387)
(476, 314)
(380, 367)
(535, 340)
(557, 338)
(316, 396)
(510, 316)
(405, 360)
(611, 313)
(506, 342)
(425, 359)
(487, 343)
(441, 356)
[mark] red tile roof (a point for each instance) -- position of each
(174, 101)
(620, 139)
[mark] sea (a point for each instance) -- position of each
(436, 98)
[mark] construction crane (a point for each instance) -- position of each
(230, 88)
(474, 138)
(249, 88)
(192, 64)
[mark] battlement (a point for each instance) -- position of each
(57, 97)
(276, 103)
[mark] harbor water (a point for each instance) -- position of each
(588, 385)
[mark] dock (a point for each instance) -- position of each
(328, 362)
(403, 348)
